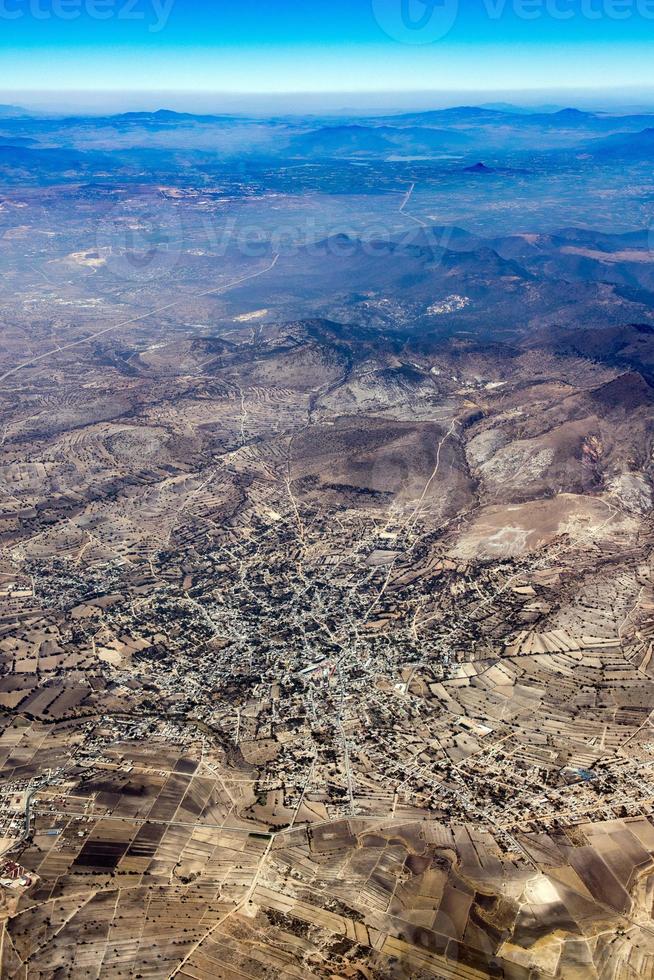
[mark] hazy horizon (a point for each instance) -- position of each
(337, 103)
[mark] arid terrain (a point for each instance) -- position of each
(326, 587)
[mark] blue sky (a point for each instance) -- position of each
(325, 45)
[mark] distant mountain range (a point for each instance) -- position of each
(131, 143)
(13, 111)
(484, 114)
(630, 145)
(338, 140)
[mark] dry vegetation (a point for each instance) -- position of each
(325, 653)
